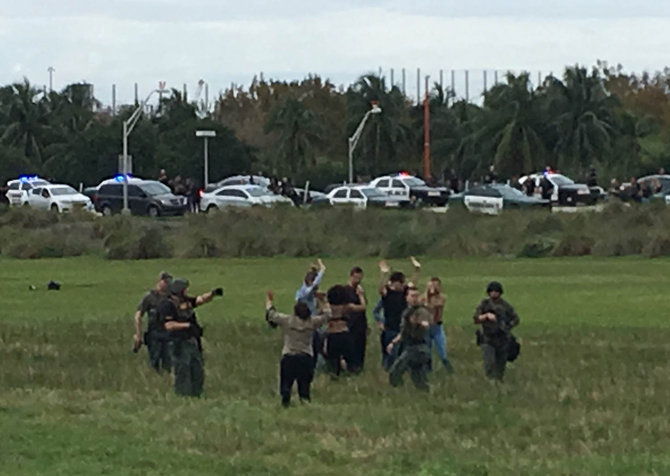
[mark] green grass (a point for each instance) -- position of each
(588, 394)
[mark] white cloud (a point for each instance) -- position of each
(166, 40)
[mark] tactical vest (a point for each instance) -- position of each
(185, 313)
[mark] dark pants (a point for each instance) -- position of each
(159, 352)
(359, 336)
(495, 359)
(295, 367)
(386, 337)
(318, 338)
(189, 372)
(414, 358)
(339, 346)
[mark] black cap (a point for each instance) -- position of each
(178, 285)
(165, 276)
(494, 286)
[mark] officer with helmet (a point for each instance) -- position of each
(497, 318)
(177, 312)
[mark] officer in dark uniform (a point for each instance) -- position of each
(155, 337)
(497, 318)
(177, 312)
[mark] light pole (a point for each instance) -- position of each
(128, 126)
(51, 70)
(206, 135)
(353, 140)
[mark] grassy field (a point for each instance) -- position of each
(588, 395)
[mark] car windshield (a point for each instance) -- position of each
(561, 180)
(372, 192)
(414, 182)
(510, 192)
(155, 188)
(257, 192)
(62, 191)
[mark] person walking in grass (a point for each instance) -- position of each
(393, 292)
(155, 338)
(415, 353)
(339, 345)
(177, 311)
(296, 364)
(434, 300)
(358, 323)
(497, 318)
(308, 293)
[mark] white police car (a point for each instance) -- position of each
(364, 196)
(59, 198)
(19, 188)
(411, 188)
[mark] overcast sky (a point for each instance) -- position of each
(120, 42)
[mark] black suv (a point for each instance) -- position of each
(146, 197)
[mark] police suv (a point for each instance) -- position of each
(412, 188)
(20, 188)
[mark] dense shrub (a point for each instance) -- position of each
(618, 230)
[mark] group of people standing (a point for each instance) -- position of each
(332, 327)
(329, 329)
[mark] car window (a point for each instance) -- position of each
(26, 186)
(257, 192)
(414, 182)
(510, 192)
(483, 192)
(372, 192)
(342, 193)
(397, 184)
(353, 193)
(224, 193)
(45, 193)
(134, 191)
(63, 191)
(238, 194)
(14, 186)
(110, 190)
(155, 188)
(383, 183)
(36, 191)
(560, 180)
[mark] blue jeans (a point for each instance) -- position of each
(436, 333)
(387, 359)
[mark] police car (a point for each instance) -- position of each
(564, 191)
(364, 196)
(19, 188)
(492, 199)
(411, 188)
(59, 198)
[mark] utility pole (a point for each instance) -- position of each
(404, 85)
(113, 99)
(418, 86)
(426, 133)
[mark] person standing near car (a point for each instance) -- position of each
(434, 300)
(155, 337)
(177, 311)
(497, 318)
(392, 290)
(358, 323)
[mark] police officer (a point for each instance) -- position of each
(497, 317)
(156, 337)
(415, 353)
(177, 312)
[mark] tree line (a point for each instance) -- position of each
(599, 117)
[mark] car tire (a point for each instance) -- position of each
(106, 210)
(212, 208)
(153, 211)
(54, 208)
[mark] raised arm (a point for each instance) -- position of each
(417, 270)
(207, 297)
(273, 317)
(384, 271)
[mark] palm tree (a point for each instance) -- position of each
(299, 132)
(27, 117)
(584, 122)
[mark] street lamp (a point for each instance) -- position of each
(353, 140)
(206, 135)
(128, 126)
